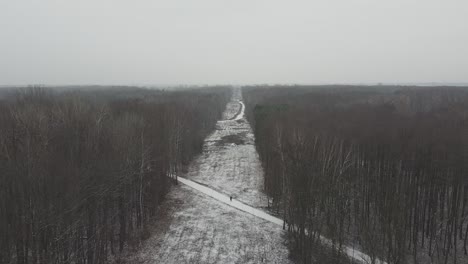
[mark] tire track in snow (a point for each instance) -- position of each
(239, 115)
(242, 112)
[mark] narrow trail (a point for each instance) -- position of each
(234, 203)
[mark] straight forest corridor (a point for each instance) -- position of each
(195, 227)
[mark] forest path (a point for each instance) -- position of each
(199, 229)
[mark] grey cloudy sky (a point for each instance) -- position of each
(235, 41)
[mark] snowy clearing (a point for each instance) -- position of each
(230, 163)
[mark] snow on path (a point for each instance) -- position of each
(234, 203)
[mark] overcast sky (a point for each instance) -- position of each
(235, 41)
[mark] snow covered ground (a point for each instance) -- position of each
(198, 226)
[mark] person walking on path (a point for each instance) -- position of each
(230, 197)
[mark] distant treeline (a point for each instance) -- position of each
(381, 168)
(83, 171)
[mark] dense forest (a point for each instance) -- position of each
(83, 170)
(383, 169)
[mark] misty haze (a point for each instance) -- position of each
(215, 131)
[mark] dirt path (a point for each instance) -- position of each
(200, 229)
